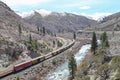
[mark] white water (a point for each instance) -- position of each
(62, 72)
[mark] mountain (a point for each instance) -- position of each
(108, 23)
(58, 22)
(9, 22)
(113, 16)
(11, 38)
(15, 35)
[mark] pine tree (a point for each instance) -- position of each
(74, 35)
(104, 37)
(94, 43)
(72, 66)
(20, 29)
(107, 43)
(53, 43)
(38, 29)
(43, 31)
(30, 38)
(104, 40)
(36, 45)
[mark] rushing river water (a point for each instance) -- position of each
(62, 72)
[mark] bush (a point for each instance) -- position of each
(83, 68)
(116, 62)
(118, 74)
(59, 44)
(103, 71)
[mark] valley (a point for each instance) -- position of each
(51, 45)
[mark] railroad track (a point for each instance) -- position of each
(50, 55)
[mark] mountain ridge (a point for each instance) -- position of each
(60, 22)
(109, 23)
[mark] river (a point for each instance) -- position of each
(62, 72)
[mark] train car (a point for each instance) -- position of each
(38, 59)
(42, 58)
(23, 65)
(35, 60)
(62, 50)
(6, 71)
(58, 51)
(48, 55)
(54, 53)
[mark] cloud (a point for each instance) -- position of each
(68, 5)
(83, 4)
(96, 16)
(24, 2)
(79, 5)
(85, 7)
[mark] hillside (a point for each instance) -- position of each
(19, 38)
(9, 22)
(59, 22)
(109, 23)
(104, 64)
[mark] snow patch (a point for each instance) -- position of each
(25, 14)
(63, 14)
(96, 16)
(42, 12)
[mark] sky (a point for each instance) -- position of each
(93, 8)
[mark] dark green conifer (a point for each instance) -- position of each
(72, 66)
(94, 43)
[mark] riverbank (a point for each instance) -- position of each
(63, 57)
(67, 53)
(62, 72)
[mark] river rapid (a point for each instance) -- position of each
(62, 72)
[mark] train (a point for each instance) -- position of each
(17, 68)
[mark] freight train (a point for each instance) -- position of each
(24, 65)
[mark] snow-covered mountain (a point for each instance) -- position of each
(96, 16)
(57, 22)
(108, 23)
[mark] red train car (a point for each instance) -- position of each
(23, 65)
